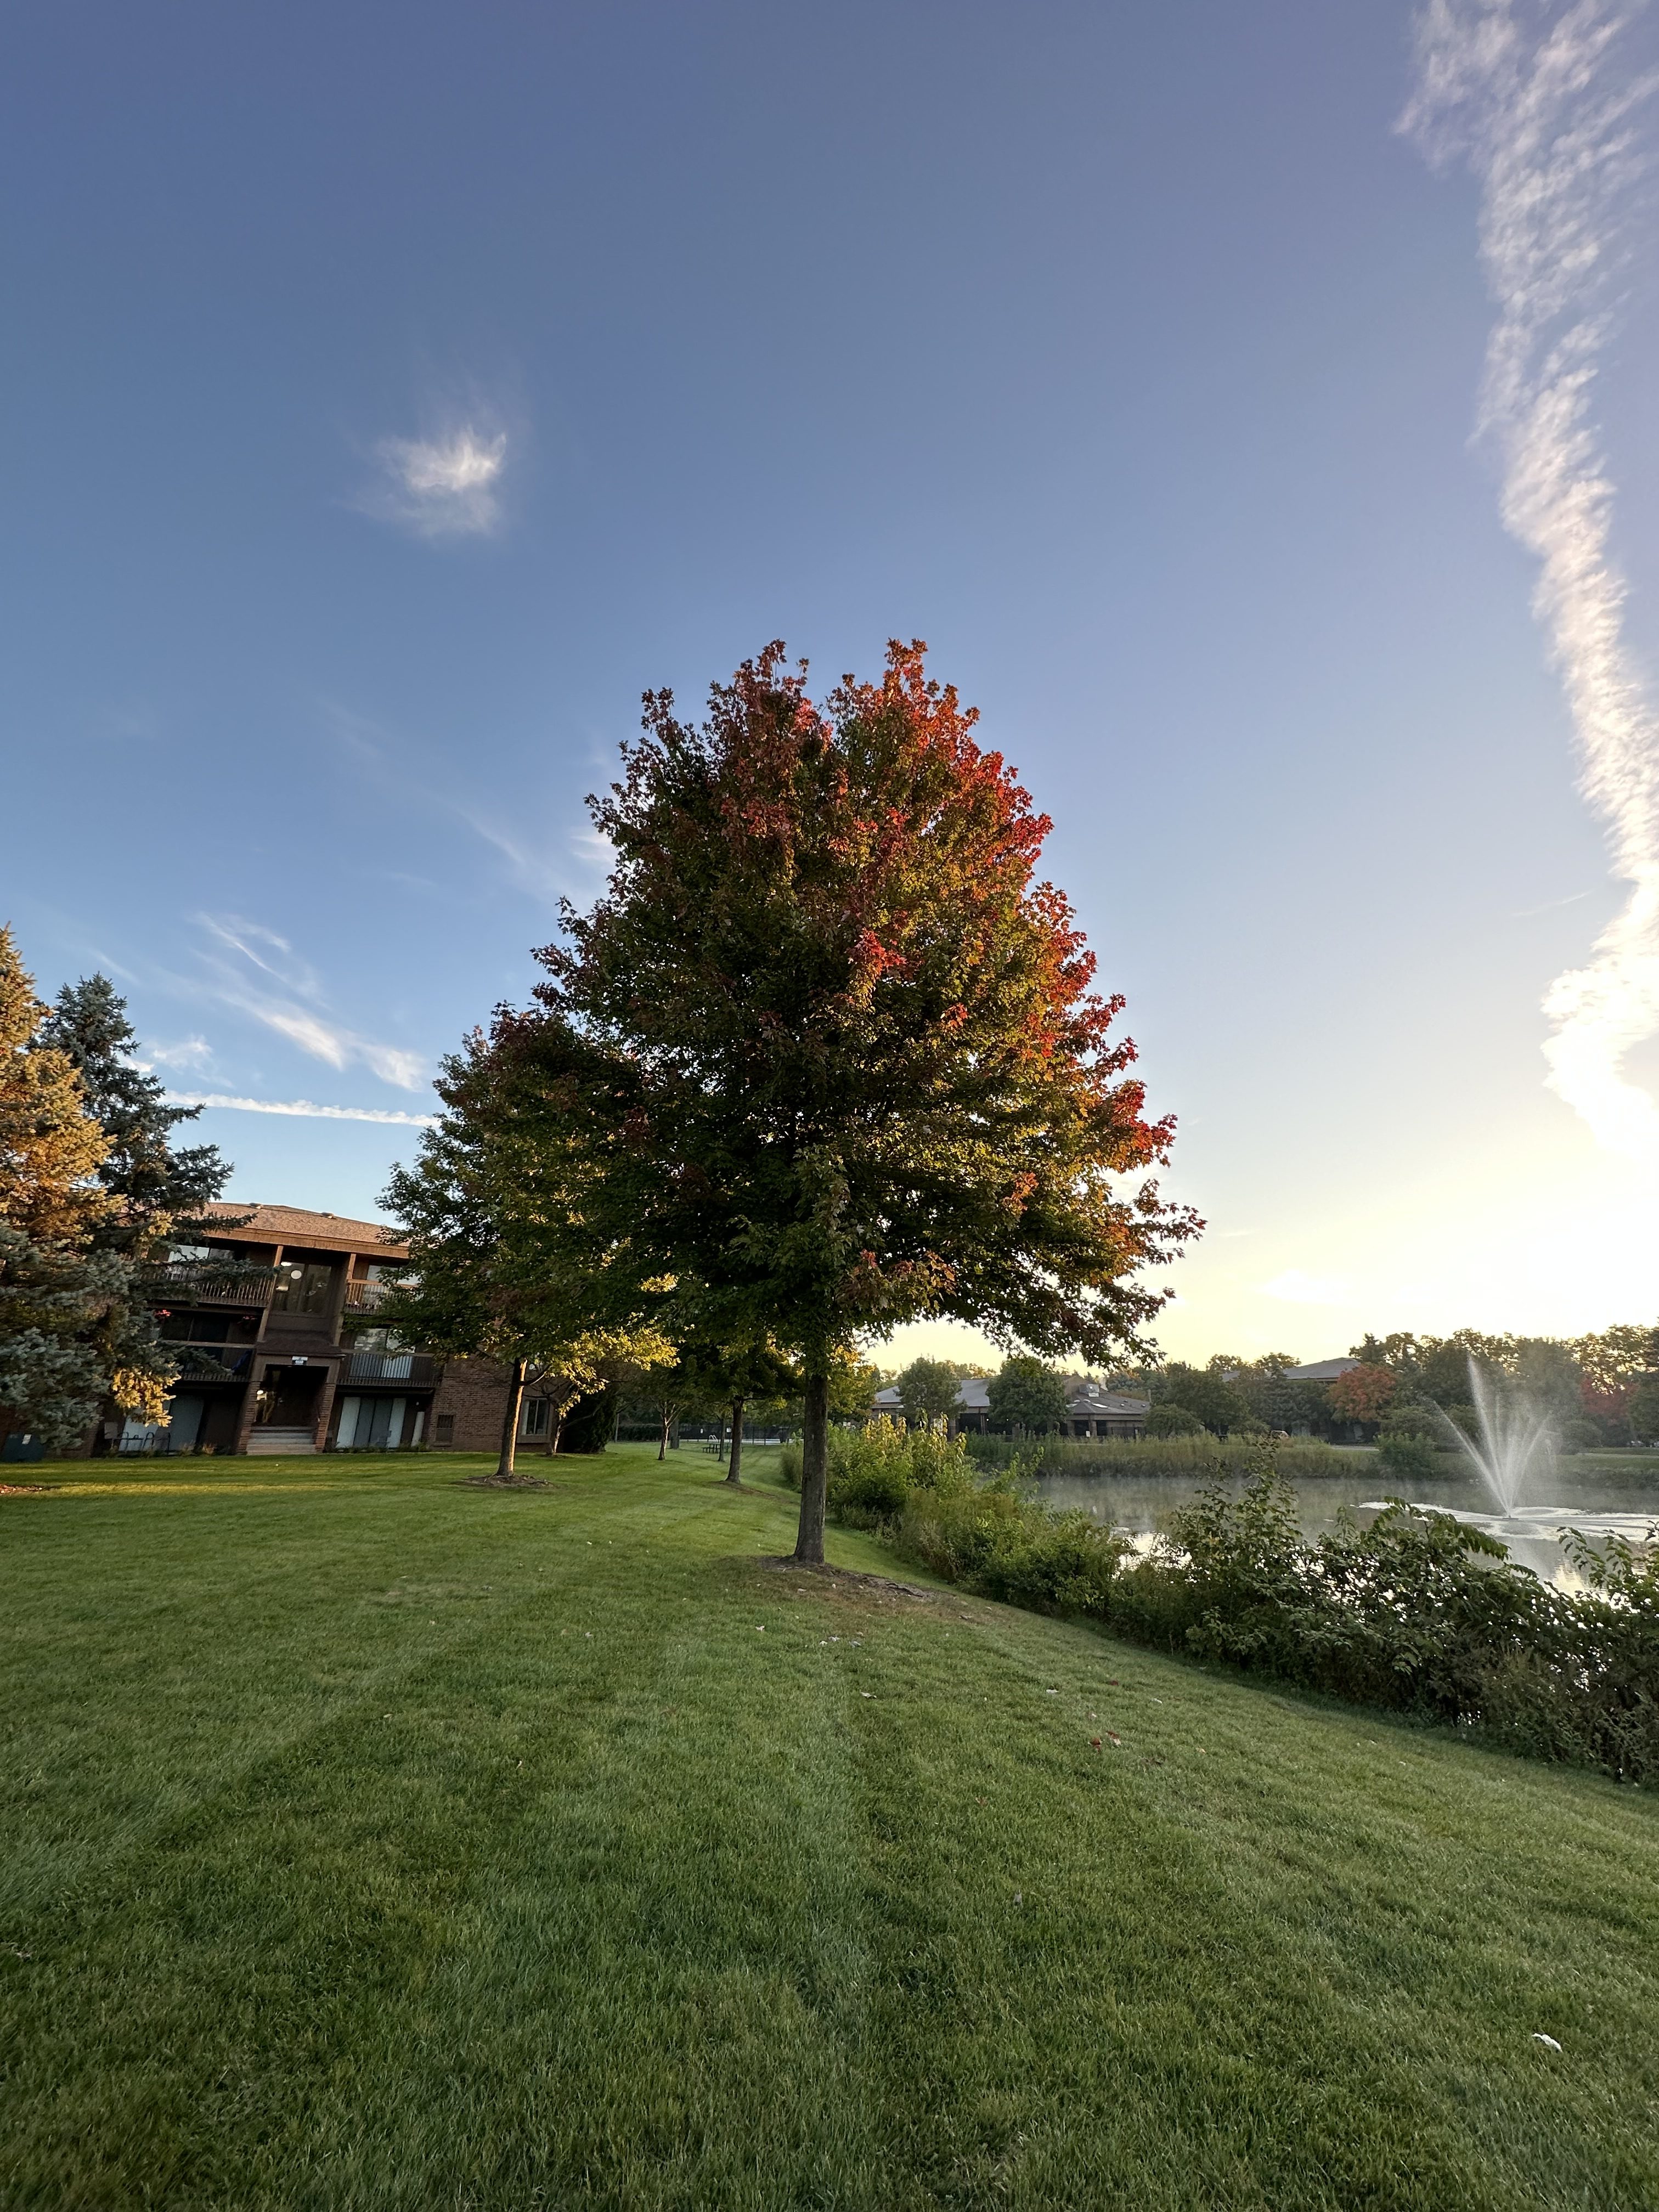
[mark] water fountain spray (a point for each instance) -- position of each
(1515, 1434)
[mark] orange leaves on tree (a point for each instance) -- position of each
(1363, 1394)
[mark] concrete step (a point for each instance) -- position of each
(267, 1442)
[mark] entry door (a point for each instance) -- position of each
(287, 1398)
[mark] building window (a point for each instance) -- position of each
(370, 1425)
(446, 1428)
(533, 1420)
(302, 1287)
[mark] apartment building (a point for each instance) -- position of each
(279, 1350)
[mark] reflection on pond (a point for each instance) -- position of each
(1619, 1492)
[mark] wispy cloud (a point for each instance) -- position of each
(1541, 102)
(263, 949)
(296, 1013)
(303, 1106)
(448, 485)
(1295, 1288)
(1550, 906)
(546, 855)
(189, 1052)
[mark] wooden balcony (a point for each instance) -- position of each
(188, 1282)
(212, 1363)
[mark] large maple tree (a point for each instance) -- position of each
(828, 1051)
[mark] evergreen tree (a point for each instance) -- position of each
(51, 1147)
(157, 1189)
(71, 1334)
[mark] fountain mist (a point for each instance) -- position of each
(1515, 1435)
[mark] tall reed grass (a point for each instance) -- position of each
(1200, 1456)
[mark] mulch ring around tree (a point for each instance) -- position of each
(837, 1579)
(28, 1489)
(503, 1482)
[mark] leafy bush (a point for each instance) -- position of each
(1173, 1421)
(1408, 1456)
(874, 1470)
(995, 1541)
(1463, 1417)
(1418, 1614)
(1413, 1417)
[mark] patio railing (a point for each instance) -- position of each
(187, 1283)
(418, 1368)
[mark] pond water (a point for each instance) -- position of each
(1595, 1486)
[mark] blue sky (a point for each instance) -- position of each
(393, 394)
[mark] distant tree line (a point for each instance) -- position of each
(1598, 1390)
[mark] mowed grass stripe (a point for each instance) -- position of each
(389, 1842)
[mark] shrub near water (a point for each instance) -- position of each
(873, 1470)
(1416, 1613)
(921, 1490)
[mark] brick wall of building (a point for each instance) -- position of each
(470, 1408)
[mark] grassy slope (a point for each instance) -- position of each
(374, 1841)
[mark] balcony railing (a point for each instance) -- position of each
(201, 1364)
(417, 1369)
(187, 1283)
(366, 1298)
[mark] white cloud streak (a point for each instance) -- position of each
(302, 1024)
(447, 486)
(1540, 104)
(303, 1106)
(189, 1052)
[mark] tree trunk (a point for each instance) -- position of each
(733, 1474)
(556, 1410)
(814, 1471)
(510, 1424)
(662, 1449)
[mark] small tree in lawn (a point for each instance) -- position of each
(828, 1048)
(731, 1377)
(500, 1264)
(928, 1390)
(1027, 1396)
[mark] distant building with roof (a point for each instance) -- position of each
(1092, 1410)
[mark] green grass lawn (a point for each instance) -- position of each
(371, 1840)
